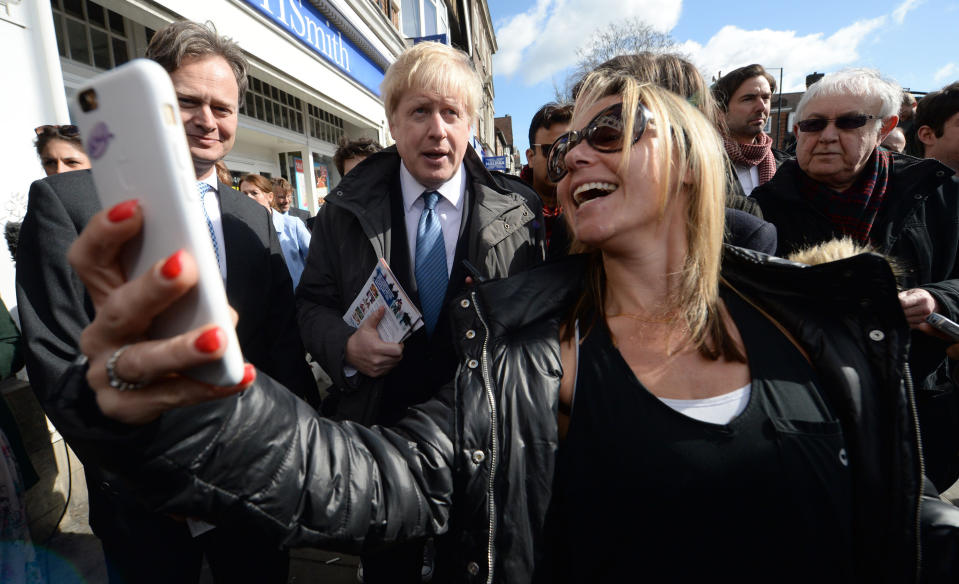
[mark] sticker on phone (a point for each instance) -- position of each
(99, 140)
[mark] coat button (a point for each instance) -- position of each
(877, 335)
(472, 568)
(940, 173)
(507, 226)
(472, 363)
(471, 334)
(918, 196)
(478, 456)
(465, 303)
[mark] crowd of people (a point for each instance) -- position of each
(617, 375)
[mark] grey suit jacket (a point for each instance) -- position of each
(54, 306)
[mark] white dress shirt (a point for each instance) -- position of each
(449, 207)
(748, 177)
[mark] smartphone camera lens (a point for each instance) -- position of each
(88, 100)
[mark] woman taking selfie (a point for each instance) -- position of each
(648, 409)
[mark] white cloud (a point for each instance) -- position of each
(798, 56)
(543, 40)
(899, 14)
(947, 72)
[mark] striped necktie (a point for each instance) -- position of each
(431, 275)
(205, 188)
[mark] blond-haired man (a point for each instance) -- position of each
(431, 95)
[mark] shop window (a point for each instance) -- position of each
(324, 125)
(90, 34)
(272, 105)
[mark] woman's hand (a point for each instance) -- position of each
(124, 312)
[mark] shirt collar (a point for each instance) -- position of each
(210, 179)
(452, 190)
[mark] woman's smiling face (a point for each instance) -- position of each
(606, 205)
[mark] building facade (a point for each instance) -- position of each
(315, 71)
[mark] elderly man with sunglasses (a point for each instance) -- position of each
(841, 184)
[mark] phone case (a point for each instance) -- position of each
(944, 325)
(137, 148)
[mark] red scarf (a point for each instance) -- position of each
(760, 155)
(854, 210)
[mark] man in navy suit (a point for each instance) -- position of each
(209, 76)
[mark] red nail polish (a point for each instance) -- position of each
(210, 341)
(173, 265)
(122, 211)
(249, 374)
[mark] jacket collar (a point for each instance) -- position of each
(366, 192)
(840, 289)
(913, 175)
(906, 175)
(545, 291)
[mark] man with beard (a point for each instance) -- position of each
(744, 97)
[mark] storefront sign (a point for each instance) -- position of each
(303, 21)
(495, 163)
(436, 38)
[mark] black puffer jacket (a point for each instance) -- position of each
(502, 235)
(917, 226)
(491, 437)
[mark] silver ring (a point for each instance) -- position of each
(117, 382)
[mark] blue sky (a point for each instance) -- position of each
(911, 41)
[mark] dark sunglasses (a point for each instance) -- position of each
(604, 133)
(842, 123)
(66, 130)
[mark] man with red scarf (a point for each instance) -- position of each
(842, 184)
(744, 97)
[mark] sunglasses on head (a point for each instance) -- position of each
(66, 130)
(604, 133)
(850, 122)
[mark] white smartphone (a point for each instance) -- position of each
(130, 123)
(944, 325)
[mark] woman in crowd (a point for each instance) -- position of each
(60, 149)
(648, 409)
(292, 233)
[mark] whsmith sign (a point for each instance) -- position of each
(316, 32)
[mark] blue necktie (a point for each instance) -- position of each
(431, 274)
(204, 188)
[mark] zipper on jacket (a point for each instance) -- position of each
(484, 358)
(911, 394)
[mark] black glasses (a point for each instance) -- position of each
(66, 130)
(842, 123)
(604, 133)
(544, 148)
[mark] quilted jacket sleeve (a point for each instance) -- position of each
(265, 460)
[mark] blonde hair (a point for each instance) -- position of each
(433, 67)
(692, 152)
